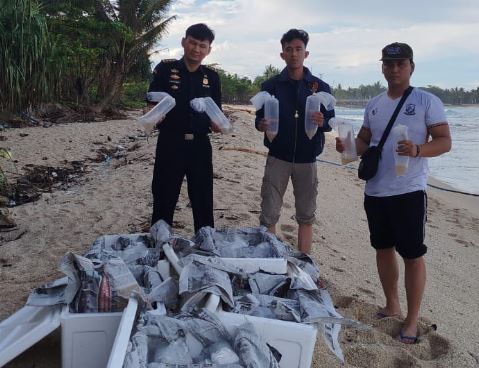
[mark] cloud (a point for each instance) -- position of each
(345, 37)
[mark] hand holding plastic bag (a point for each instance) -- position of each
(399, 133)
(346, 135)
(313, 104)
(271, 112)
(164, 105)
(206, 104)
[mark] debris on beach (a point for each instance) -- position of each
(6, 220)
(39, 179)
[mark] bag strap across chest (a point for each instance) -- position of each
(405, 95)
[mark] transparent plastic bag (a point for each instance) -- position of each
(271, 114)
(206, 104)
(258, 99)
(313, 104)
(399, 133)
(152, 117)
(345, 131)
(222, 353)
(271, 111)
(175, 352)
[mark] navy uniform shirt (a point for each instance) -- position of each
(173, 77)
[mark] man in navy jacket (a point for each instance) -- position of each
(291, 153)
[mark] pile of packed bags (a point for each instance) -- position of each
(250, 272)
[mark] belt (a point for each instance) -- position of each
(194, 137)
(187, 136)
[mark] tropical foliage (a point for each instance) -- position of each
(81, 51)
(25, 49)
(4, 153)
(236, 89)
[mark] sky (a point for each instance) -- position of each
(346, 37)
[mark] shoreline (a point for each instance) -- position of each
(465, 201)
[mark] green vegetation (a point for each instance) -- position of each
(97, 53)
(236, 89)
(80, 51)
(133, 95)
(453, 96)
(25, 47)
(4, 153)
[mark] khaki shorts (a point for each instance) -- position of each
(275, 181)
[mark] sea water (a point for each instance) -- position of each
(460, 167)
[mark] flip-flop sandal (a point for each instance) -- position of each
(409, 340)
(381, 315)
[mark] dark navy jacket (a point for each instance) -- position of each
(292, 144)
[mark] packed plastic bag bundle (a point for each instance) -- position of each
(206, 104)
(346, 134)
(271, 111)
(164, 105)
(399, 133)
(313, 104)
(198, 340)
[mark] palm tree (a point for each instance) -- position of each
(269, 71)
(135, 25)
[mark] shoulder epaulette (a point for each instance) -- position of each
(212, 67)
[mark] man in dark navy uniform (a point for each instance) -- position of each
(183, 146)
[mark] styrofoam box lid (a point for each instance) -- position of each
(25, 328)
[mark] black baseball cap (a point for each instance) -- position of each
(397, 50)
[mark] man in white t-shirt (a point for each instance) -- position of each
(395, 201)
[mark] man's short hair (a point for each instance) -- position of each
(200, 32)
(294, 34)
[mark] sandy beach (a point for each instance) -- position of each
(113, 196)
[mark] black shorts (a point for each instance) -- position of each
(398, 221)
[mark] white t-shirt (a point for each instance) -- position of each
(420, 111)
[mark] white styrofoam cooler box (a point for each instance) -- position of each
(87, 338)
(295, 341)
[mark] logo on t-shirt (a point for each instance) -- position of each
(410, 109)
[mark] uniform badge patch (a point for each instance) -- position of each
(313, 86)
(410, 109)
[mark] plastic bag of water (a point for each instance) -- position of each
(399, 133)
(271, 112)
(346, 134)
(313, 104)
(206, 104)
(164, 105)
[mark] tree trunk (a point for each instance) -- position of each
(112, 90)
